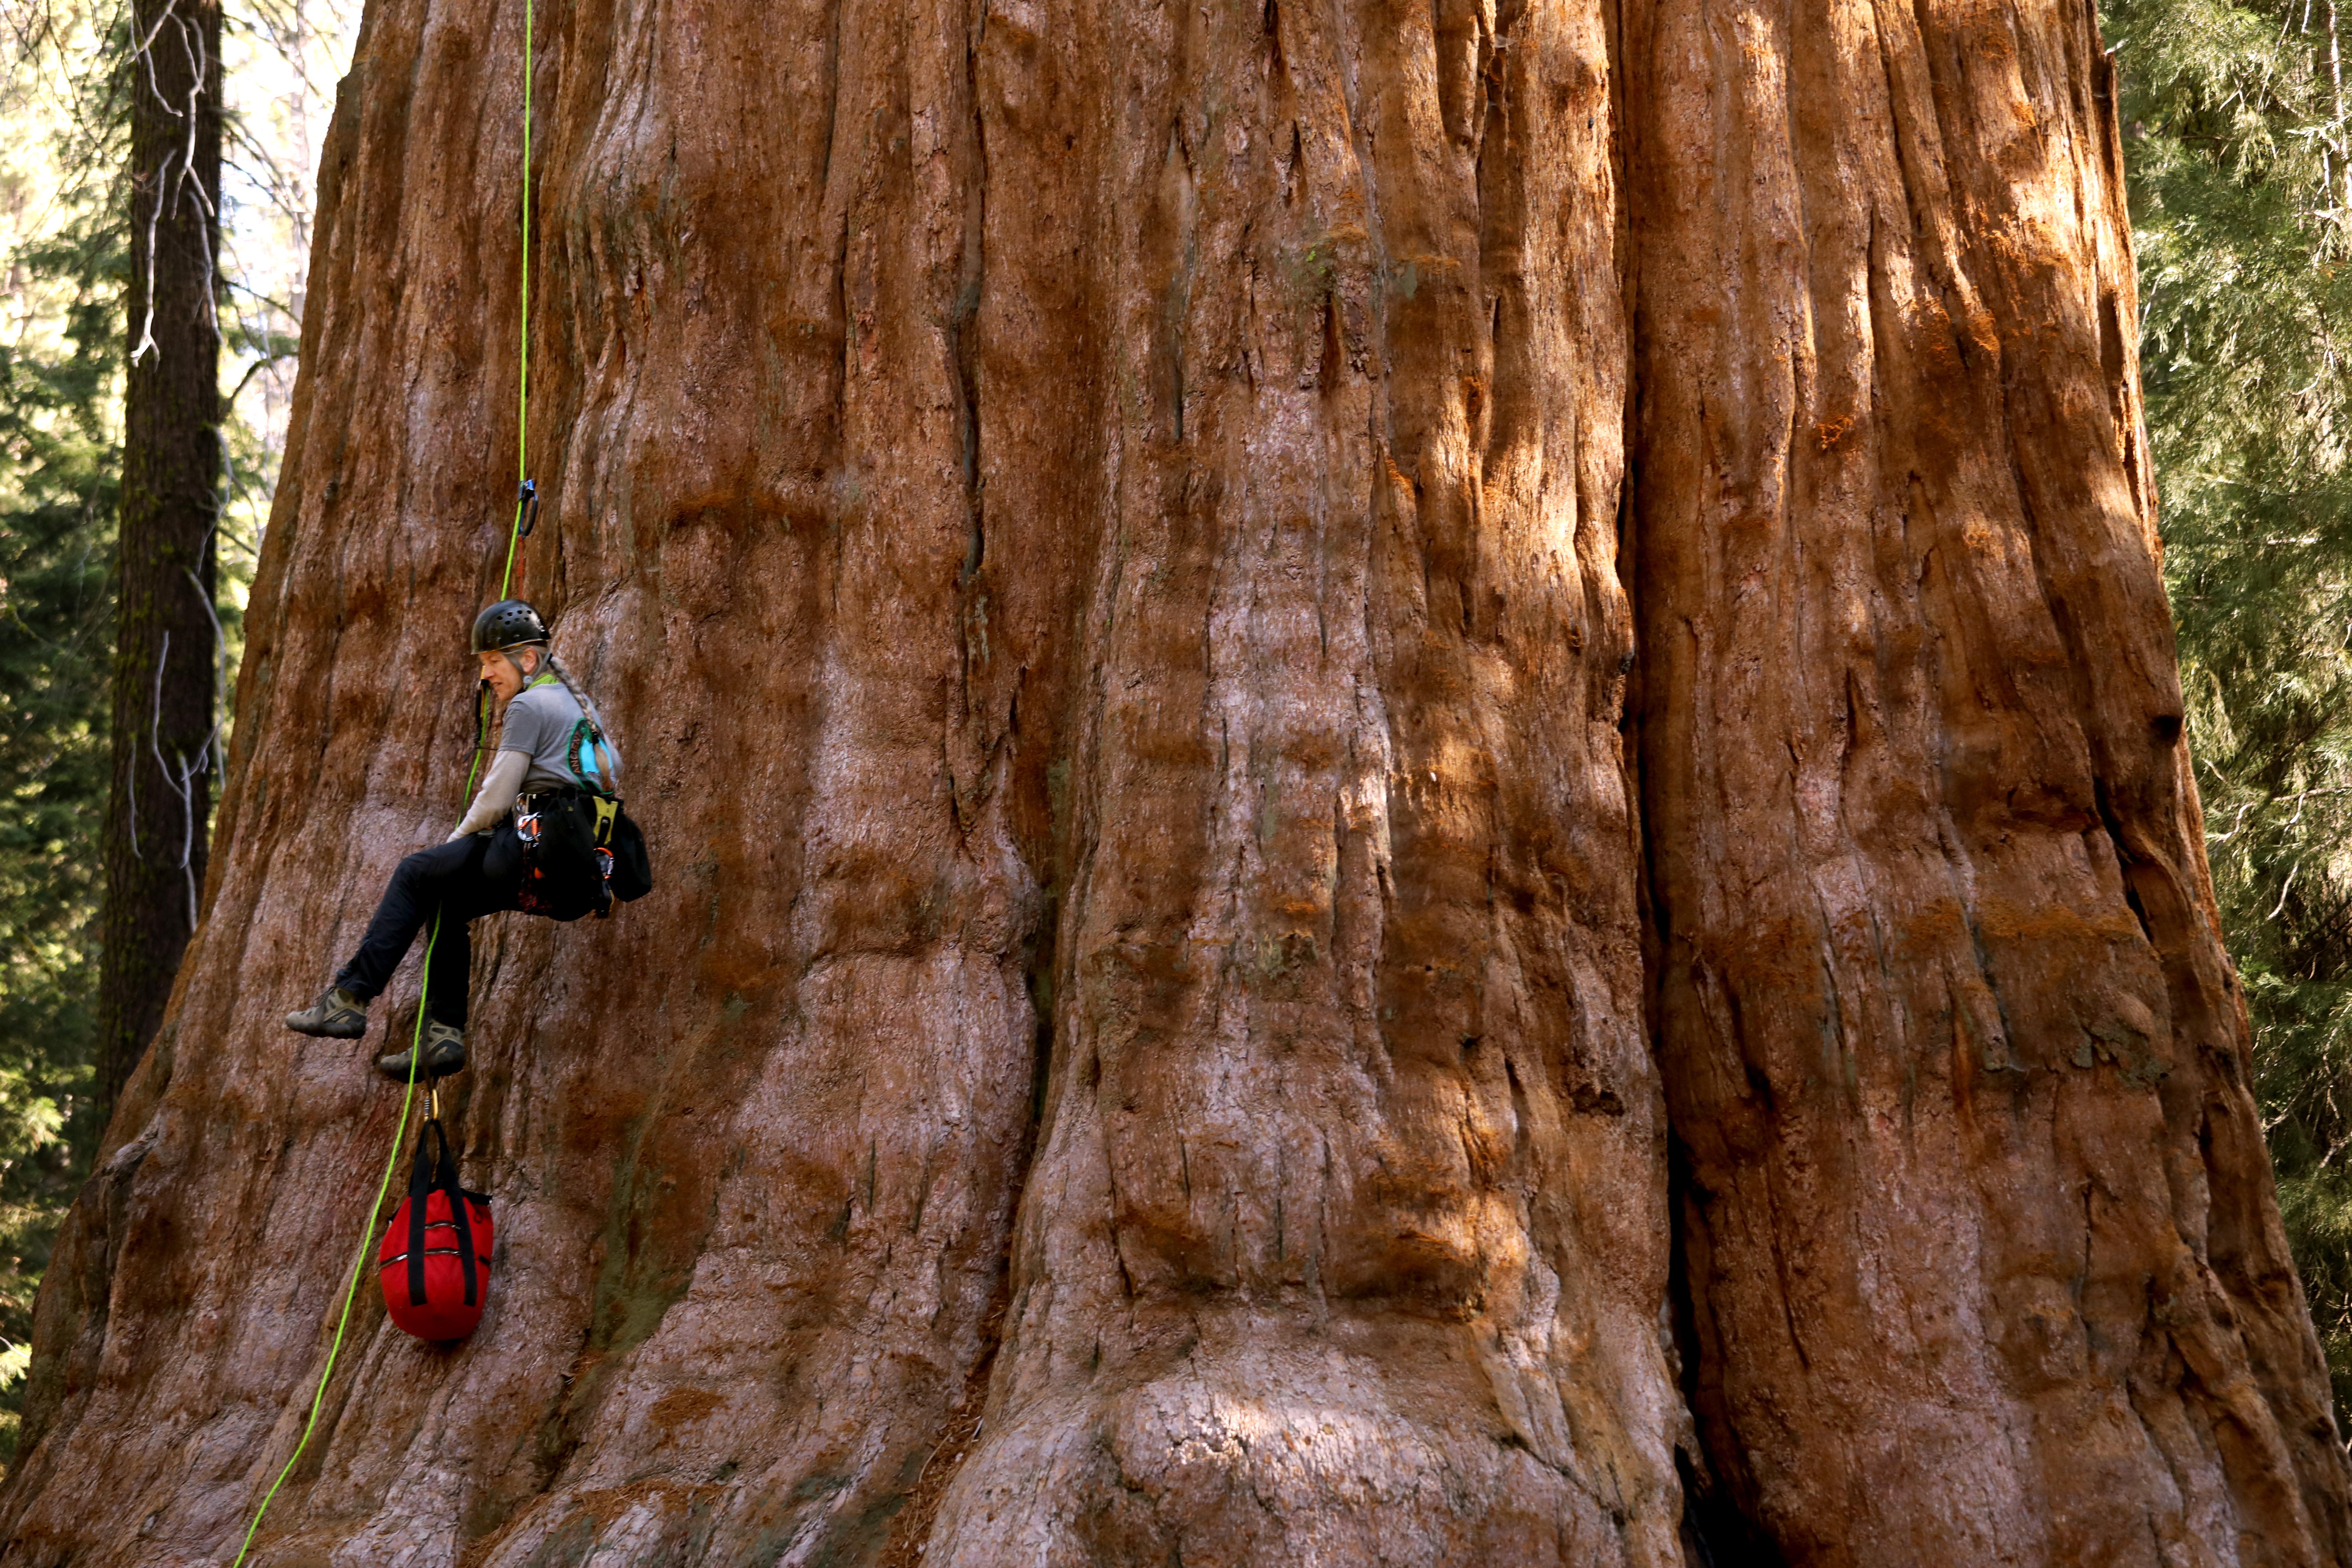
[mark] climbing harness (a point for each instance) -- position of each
(581, 852)
(526, 514)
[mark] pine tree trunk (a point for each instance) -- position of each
(1418, 797)
(166, 657)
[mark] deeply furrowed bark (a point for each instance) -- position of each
(1098, 529)
(1343, 1242)
(1976, 1183)
(167, 652)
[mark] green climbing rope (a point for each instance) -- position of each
(522, 330)
(416, 1039)
(367, 1236)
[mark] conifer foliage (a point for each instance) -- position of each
(2236, 136)
(60, 453)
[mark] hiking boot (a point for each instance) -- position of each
(445, 1053)
(337, 1013)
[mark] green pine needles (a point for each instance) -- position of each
(60, 441)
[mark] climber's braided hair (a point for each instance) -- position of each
(587, 705)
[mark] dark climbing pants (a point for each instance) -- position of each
(476, 875)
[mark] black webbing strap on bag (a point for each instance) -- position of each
(426, 1177)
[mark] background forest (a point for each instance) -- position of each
(65, 230)
(2241, 158)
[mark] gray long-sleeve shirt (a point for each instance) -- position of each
(535, 753)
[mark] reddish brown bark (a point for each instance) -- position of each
(1976, 1185)
(1098, 528)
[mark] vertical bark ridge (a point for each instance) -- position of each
(1975, 1183)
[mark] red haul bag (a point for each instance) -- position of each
(434, 1263)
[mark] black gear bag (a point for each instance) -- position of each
(581, 852)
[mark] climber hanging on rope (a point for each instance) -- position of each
(545, 834)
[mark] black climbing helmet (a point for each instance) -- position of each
(509, 623)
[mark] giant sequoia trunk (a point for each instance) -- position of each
(1418, 782)
(1977, 1226)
